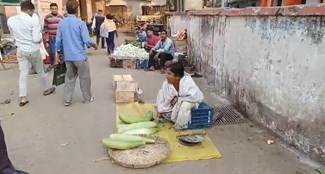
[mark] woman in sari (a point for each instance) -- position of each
(108, 31)
(178, 96)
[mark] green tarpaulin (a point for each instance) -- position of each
(10, 1)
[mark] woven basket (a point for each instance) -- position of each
(142, 157)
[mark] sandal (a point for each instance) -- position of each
(21, 104)
(49, 91)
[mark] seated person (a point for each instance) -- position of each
(164, 50)
(152, 40)
(142, 35)
(178, 95)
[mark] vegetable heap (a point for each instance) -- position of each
(128, 135)
(130, 51)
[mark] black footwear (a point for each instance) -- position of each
(197, 75)
(150, 69)
(20, 172)
(21, 104)
(49, 91)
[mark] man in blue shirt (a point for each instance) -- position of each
(141, 34)
(72, 36)
(164, 50)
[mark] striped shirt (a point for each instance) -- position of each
(51, 24)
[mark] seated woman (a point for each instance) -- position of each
(178, 95)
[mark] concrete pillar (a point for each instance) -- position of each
(86, 11)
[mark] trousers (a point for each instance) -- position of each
(75, 69)
(98, 38)
(52, 49)
(163, 58)
(24, 61)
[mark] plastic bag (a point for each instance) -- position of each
(59, 72)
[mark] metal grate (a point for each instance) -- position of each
(229, 116)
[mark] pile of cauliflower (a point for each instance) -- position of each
(130, 52)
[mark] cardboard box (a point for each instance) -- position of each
(121, 78)
(125, 92)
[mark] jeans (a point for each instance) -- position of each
(98, 38)
(24, 61)
(75, 69)
(52, 48)
(110, 41)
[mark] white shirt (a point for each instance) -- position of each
(25, 31)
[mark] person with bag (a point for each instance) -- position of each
(27, 35)
(73, 35)
(51, 22)
(108, 31)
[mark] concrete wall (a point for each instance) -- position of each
(269, 62)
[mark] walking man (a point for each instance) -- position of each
(51, 22)
(27, 35)
(73, 35)
(6, 166)
(98, 19)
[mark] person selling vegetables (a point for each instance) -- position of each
(152, 40)
(178, 95)
(164, 50)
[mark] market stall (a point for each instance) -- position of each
(139, 142)
(130, 56)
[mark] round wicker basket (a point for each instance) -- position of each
(141, 157)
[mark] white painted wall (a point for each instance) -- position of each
(272, 67)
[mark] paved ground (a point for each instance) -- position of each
(47, 138)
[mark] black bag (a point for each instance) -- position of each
(59, 73)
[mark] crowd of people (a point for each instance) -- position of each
(67, 35)
(161, 48)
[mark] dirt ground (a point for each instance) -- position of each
(47, 138)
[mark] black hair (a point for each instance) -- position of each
(109, 16)
(27, 5)
(149, 29)
(100, 11)
(54, 5)
(164, 31)
(72, 6)
(177, 68)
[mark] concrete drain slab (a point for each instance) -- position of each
(228, 115)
